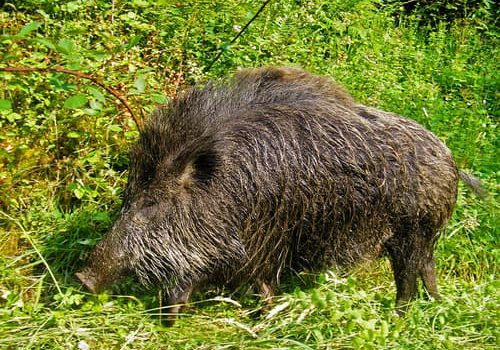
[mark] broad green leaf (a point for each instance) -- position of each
(65, 46)
(56, 214)
(115, 128)
(135, 40)
(79, 192)
(90, 111)
(59, 83)
(73, 6)
(101, 217)
(140, 84)
(73, 135)
(96, 93)
(12, 117)
(76, 101)
(159, 98)
(28, 28)
(95, 105)
(46, 43)
(5, 105)
(141, 3)
(75, 66)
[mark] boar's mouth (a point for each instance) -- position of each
(89, 281)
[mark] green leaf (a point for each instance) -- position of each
(5, 105)
(60, 84)
(73, 6)
(12, 117)
(90, 111)
(96, 93)
(46, 42)
(65, 46)
(140, 84)
(79, 192)
(76, 101)
(115, 128)
(159, 98)
(28, 28)
(74, 65)
(102, 217)
(95, 105)
(89, 242)
(141, 3)
(135, 40)
(73, 135)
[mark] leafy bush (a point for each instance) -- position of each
(481, 13)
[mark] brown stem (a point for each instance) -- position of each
(137, 120)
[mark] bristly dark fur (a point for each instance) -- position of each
(239, 180)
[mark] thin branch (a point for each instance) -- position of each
(238, 35)
(137, 120)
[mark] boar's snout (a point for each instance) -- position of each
(106, 263)
(89, 281)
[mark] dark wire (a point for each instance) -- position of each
(237, 35)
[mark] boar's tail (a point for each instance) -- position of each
(474, 184)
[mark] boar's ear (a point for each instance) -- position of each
(200, 168)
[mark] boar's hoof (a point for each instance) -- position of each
(170, 316)
(176, 301)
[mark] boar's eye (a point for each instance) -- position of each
(148, 202)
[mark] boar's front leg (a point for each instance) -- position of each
(266, 291)
(175, 300)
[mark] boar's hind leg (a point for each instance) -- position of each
(428, 275)
(412, 256)
(175, 300)
(405, 267)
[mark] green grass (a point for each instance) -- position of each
(63, 167)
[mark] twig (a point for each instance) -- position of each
(238, 35)
(137, 120)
